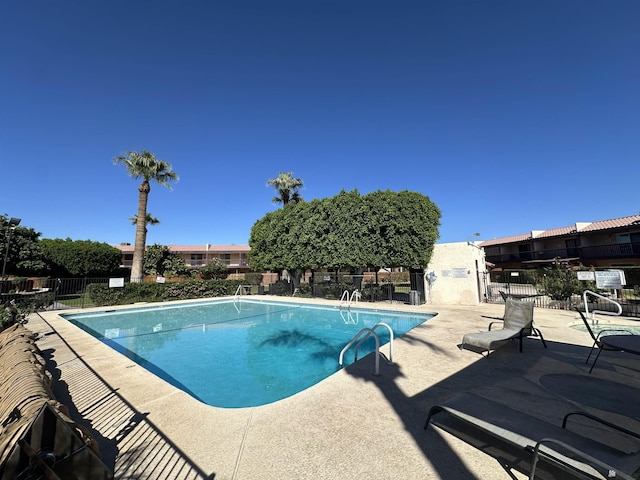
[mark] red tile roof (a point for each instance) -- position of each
(579, 226)
(614, 223)
(554, 232)
(511, 239)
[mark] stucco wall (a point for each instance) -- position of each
(459, 269)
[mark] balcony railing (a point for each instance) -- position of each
(596, 252)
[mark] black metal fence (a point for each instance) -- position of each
(398, 287)
(525, 284)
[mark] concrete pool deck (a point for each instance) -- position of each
(351, 425)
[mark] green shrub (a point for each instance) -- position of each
(560, 282)
(101, 294)
(201, 289)
(215, 269)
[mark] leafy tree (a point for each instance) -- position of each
(80, 258)
(159, 260)
(24, 254)
(351, 231)
(287, 187)
(144, 165)
(216, 269)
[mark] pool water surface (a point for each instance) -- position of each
(241, 353)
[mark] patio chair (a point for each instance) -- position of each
(623, 341)
(533, 447)
(516, 323)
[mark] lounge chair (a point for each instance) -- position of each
(516, 323)
(623, 341)
(533, 447)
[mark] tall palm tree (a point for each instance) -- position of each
(146, 166)
(287, 187)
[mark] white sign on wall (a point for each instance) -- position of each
(609, 279)
(586, 275)
(460, 272)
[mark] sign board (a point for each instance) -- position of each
(515, 274)
(460, 272)
(586, 275)
(160, 279)
(609, 279)
(116, 282)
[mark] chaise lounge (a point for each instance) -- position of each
(533, 447)
(517, 323)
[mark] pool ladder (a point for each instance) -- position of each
(350, 298)
(367, 332)
(242, 290)
(604, 312)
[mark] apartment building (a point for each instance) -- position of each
(234, 256)
(603, 243)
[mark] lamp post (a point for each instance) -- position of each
(13, 223)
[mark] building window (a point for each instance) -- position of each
(197, 259)
(225, 258)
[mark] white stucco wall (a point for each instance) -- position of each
(459, 269)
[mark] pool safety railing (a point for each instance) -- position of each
(603, 312)
(365, 333)
(349, 298)
(242, 290)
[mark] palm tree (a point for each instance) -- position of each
(150, 220)
(146, 166)
(287, 188)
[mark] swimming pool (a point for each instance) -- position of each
(240, 353)
(617, 328)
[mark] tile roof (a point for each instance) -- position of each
(557, 231)
(511, 239)
(578, 227)
(614, 223)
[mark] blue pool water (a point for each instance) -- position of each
(243, 353)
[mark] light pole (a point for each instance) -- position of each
(13, 223)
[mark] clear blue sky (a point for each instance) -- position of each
(510, 115)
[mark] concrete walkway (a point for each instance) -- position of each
(353, 425)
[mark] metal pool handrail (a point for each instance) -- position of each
(369, 332)
(349, 299)
(604, 312)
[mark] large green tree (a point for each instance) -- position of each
(80, 258)
(287, 187)
(348, 231)
(23, 256)
(144, 165)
